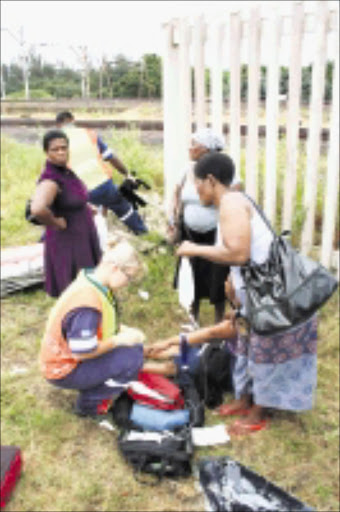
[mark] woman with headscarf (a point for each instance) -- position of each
(199, 224)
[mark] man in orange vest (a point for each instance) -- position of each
(89, 158)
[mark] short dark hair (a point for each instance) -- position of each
(51, 135)
(64, 116)
(219, 165)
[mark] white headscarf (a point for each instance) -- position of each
(209, 139)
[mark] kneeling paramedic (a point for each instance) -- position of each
(84, 347)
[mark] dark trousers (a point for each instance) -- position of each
(107, 194)
(92, 376)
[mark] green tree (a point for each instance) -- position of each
(13, 78)
(226, 85)
(329, 81)
(306, 85)
(244, 81)
(150, 72)
(263, 82)
(284, 80)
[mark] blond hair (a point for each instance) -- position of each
(122, 253)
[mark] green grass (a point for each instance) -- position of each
(73, 464)
(147, 163)
(21, 165)
(20, 168)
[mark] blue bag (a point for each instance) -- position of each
(148, 418)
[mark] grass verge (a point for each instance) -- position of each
(73, 464)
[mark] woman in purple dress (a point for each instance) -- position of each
(60, 203)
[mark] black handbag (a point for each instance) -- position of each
(285, 290)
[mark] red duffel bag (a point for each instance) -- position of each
(156, 391)
(11, 464)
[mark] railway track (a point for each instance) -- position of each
(143, 125)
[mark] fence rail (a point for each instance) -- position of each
(230, 33)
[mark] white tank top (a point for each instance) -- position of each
(261, 238)
(197, 217)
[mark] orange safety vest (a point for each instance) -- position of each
(85, 159)
(56, 359)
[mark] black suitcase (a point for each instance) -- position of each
(231, 487)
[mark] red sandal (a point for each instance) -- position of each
(247, 428)
(228, 410)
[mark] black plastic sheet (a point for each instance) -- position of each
(231, 487)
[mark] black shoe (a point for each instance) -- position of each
(83, 414)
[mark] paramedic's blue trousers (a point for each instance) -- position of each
(108, 195)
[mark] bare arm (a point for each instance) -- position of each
(176, 201)
(118, 164)
(224, 329)
(43, 197)
(173, 212)
(235, 233)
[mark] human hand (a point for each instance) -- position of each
(156, 348)
(94, 210)
(131, 177)
(187, 248)
(172, 234)
(129, 336)
(61, 223)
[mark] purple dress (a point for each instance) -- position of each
(76, 247)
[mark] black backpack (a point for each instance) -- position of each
(213, 374)
(121, 411)
(162, 454)
(192, 400)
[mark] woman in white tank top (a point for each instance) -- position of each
(275, 371)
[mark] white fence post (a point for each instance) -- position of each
(178, 108)
(292, 125)
(272, 110)
(216, 79)
(313, 148)
(171, 109)
(199, 37)
(235, 89)
(332, 184)
(184, 120)
(254, 33)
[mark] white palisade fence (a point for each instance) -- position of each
(185, 47)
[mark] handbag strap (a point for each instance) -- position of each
(262, 215)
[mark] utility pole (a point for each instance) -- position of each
(101, 71)
(25, 65)
(82, 55)
(141, 78)
(3, 85)
(24, 57)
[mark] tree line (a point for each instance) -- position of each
(123, 78)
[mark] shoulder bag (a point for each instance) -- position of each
(285, 290)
